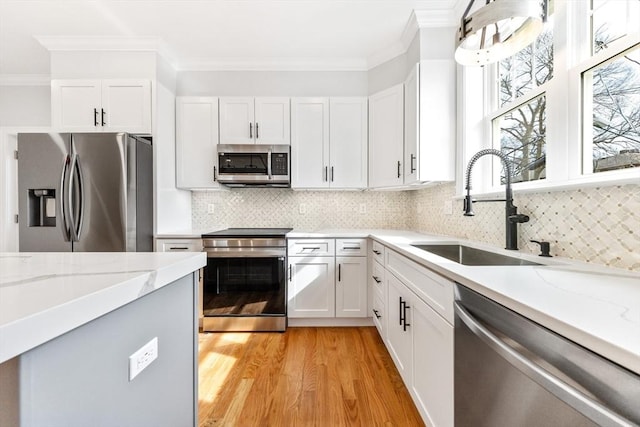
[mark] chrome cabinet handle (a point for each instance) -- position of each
(290, 272)
(331, 173)
(376, 313)
(413, 168)
(215, 178)
(314, 248)
(326, 174)
(95, 117)
(257, 135)
(376, 279)
(178, 248)
(250, 130)
(376, 252)
(103, 113)
(569, 395)
(399, 168)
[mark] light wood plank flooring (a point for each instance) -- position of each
(304, 377)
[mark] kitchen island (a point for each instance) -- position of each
(69, 323)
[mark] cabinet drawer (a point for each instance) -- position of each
(378, 313)
(377, 278)
(179, 245)
(351, 247)
(430, 287)
(311, 247)
(377, 251)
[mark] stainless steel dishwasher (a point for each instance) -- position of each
(510, 371)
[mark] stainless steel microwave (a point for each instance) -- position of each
(254, 165)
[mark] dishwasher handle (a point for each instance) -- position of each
(569, 395)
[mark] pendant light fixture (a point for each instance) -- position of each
(498, 30)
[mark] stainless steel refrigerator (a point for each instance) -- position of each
(90, 192)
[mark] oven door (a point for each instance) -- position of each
(244, 293)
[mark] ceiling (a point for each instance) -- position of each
(220, 34)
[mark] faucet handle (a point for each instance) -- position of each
(545, 248)
(519, 218)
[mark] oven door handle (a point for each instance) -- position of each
(569, 395)
(245, 252)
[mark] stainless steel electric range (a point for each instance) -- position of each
(245, 280)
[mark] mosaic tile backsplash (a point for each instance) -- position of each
(597, 225)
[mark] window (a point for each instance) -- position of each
(520, 131)
(566, 109)
(611, 93)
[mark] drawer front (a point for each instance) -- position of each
(179, 245)
(430, 287)
(351, 247)
(378, 313)
(311, 247)
(377, 278)
(377, 251)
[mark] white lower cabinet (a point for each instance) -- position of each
(351, 286)
(311, 290)
(419, 335)
(432, 376)
(325, 285)
(399, 330)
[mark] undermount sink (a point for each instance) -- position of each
(467, 255)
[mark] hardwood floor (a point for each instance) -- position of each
(303, 377)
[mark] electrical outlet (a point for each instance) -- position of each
(211, 208)
(302, 209)
(142, 358)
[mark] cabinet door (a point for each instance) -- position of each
(386, 128)
(411, 128)
(311, 290)
(309, 142)
(126, 106)
(432, 374)
(348, 142)
(399, 339)
(351, 287)
(237, 120)
(196, 141)
(437, 116)
(272, 121)
(75, 105)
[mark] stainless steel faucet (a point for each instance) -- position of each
(512, 217)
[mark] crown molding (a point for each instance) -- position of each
(273, 64)
(25, 79)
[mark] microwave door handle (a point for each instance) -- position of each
(269, 163)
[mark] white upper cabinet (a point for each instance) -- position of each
(248, 120)
(386, 129)
(329, 142)
(101, 105)
(309, 142)
(348, 142)
(196, 141)
(429, 122)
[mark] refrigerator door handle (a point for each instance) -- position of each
(75, 222)
(80, 218)
(66, 223)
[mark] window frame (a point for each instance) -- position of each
(564, 111)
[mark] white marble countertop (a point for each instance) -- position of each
(44, 295)
(595, 306)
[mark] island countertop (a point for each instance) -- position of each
(44, 295)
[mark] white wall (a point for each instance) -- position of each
(272, 83)
(25, 106)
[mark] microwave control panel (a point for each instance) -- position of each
(280, 164)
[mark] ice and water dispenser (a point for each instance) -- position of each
(42, 207)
